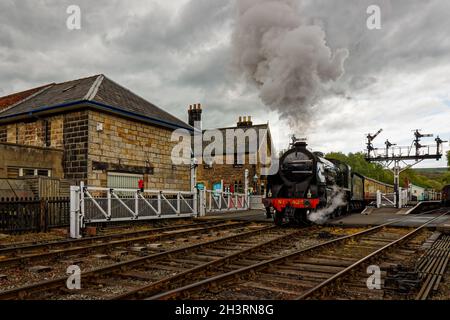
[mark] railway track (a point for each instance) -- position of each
(25, 254)
(235, 258)
(432, 265)
(33, 245)
(130, 269)
(305, 273)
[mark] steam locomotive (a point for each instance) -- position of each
(307, 183)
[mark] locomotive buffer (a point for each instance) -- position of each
(396, 158)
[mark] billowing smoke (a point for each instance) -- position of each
(286, 56)
(322, 215)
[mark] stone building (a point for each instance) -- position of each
(216, 172)
(90, 130)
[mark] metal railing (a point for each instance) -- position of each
(390, 199)
(33, 214)
(217, 201)
(95, 204)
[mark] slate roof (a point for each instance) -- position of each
(97, 92)
(12, 99)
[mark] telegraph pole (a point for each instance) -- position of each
(395, 158)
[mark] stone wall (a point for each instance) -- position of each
(3, 134)
(46, 132)
(12, 155)
(129, 146)
(75, 137)
(230, 174)
(122, 146)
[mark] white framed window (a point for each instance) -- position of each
(23, 172)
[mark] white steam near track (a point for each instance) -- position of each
(322, 215)
(286, 56)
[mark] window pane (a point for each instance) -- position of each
(43, 172)
(28, 172)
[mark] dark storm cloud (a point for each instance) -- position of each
(175, 53)
(414, 34)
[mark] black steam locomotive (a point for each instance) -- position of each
(307, 184)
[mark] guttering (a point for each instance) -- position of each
(100, 106)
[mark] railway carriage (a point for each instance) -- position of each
(371, 186)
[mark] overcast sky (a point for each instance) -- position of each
(175, 53)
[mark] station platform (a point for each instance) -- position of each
(381, 216)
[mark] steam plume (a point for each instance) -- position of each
(285, 56)
(322, 215)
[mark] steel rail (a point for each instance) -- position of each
(366, 258)
(179, 292)
(24, 291)
(33, 246)
(433, 267)
(139, 292)
(103, 245)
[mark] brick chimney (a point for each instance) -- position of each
(195, 114)
(245, 121)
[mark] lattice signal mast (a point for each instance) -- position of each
(395, 157)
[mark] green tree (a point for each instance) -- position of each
(448, 160)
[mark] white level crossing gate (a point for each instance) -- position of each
(95, 204)
(219, 201)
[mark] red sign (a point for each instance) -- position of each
(141, 185)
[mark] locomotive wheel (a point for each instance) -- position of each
(268, 213)
(278, 218)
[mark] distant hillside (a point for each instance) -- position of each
(434, 178)
(432, 173)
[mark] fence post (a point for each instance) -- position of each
(75, 192)
(378, 198)
(194, 202)
(136, 203)
(159, 203)
(42, 216)
(202, 210)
